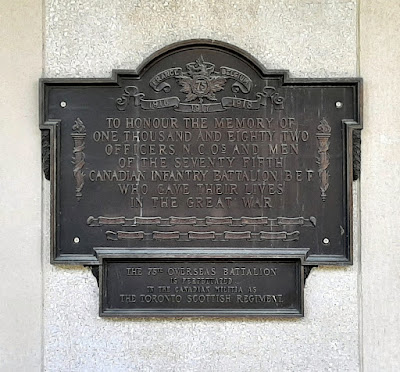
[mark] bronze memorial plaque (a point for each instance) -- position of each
(201, 147)
(134, 283)
(202, 184)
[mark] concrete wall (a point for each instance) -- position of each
(351, 319)
(380, 180)
(20, 185)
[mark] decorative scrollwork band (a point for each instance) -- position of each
(204, 235)
(201, 222)
(207, 222)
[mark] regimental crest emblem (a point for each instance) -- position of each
(201, 81)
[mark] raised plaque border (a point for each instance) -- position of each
(295, 256)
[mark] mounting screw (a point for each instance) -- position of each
(63, 104)
(339, 104)
(325, 241)
(76, 240)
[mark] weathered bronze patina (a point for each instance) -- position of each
(202, 147)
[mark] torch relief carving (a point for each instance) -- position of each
(78, 159)
(323, 135)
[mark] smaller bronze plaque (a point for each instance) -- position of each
(136, 283)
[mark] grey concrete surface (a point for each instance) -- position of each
(20, 187)
(380, 180)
